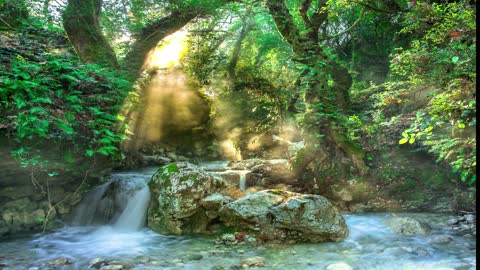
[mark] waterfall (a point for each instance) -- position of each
(242, 185)
(134, 215)
(121, 202)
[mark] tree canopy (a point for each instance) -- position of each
(345, 71)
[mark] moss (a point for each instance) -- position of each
(190, 177)
(170, 168)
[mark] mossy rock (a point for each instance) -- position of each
(177, 192)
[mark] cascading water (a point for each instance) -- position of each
(121, 202)
(243, 180)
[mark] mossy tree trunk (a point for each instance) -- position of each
(328, 153)
(81, 20)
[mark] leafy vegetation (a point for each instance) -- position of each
(52, 97)
(358, 78)
(444, 57)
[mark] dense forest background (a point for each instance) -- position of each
(379, 91)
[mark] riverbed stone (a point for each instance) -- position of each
(97, 263)
(277, 215)
(112, 267)
(179, 192)
(440, 239)
(253, 262)
(125, 265)
(60, 262)
(339, 266)
(408, 226)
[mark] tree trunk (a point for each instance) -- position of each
(81, 20)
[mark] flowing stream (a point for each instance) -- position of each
(109, 224)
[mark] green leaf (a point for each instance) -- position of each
(403, 141)
(461, 125)
(412, 140)
(89, 152)
(69, 116)
(120, 117)
(65, 128)
(455, 59)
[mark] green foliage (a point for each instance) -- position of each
(443, 56)
(446, 49)
(59, 101)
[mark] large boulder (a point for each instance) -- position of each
(184, 199)
(277, 215)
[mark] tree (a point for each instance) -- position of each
(326, 85)
(81, 20)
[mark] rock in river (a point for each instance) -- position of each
(408, 226)
(180, 201)
(284, 216)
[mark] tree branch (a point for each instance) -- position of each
(350, 28)
(371, 6)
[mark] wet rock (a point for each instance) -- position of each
(57, 194)
(440, 239)
(63, 209)
(193, 257)
(97, 263)
(253, 262)
(470, 218)
(72, 198)
(17, 219)
(23, 204)
(339, 266)
(18, 192)
(59, 262)
(230, 176)
(421, 251)
(177, 191)
(112, 267)
(286, 216)
(408, 226)
(228, 238)
(452, 221)
(143, 259)
(124, 265)
(246, 164)
(172, 156)
(215, 201)
(158, 263)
